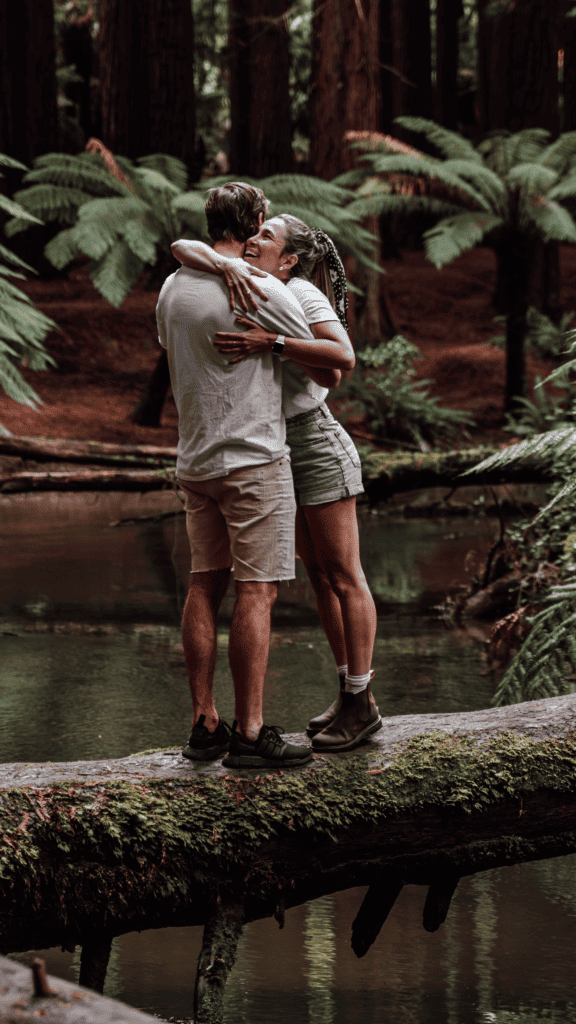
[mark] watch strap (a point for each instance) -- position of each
(278, 346)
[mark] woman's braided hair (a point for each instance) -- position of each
(318, 261)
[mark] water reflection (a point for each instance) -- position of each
(91, 665)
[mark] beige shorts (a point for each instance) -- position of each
(243, 521)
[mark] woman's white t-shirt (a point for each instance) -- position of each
(300, 393)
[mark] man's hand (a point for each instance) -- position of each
(244, 343)
(237, 277)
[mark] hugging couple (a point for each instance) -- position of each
(265, 468)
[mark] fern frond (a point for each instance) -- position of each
(376, 141)
(170, 167)
(540, 667)
(350, 179)
(81, 175)
(9, 161)
(566, 491)
(304, 190)
(559, 153)
(142, 238)
(541, 449)
(527, 145)
(151, 184)
(15, 385)
(49, 202)
(461, 191)
(559, 376)
(564, 189)
(16, 210)
(382, 203)
(487, 182)
(61, 249)
(188, 211)
(11, 258)
(452, 145)
(116, 273)
(455, 235)
(553, 222)
(531, 178)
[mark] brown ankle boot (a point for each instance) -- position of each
(321, 721)
(358, 718)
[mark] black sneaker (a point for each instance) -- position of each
(268, 751)
(204, 745)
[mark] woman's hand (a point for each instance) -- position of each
(237, 277)
(244, 343)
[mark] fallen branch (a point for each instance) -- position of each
(43, 449)
(97, 480)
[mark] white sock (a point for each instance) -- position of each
(342, 670)
(355, 684)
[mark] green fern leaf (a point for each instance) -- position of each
(80, 176)
(526, 146)
(141, 239)
(9, 161)
(565, 189)
(460, 191)
(450, 144)
(553, 222)
(170, 167)
(15, 386)
(455, 235)
(531, 178)
(10, 257)
(559, 153)
(116, 273)
(61, 249)
(16, 210)
(50, 202)
(304, 190)
(383, 203)
(485, 180)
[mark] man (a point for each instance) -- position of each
(234, 467)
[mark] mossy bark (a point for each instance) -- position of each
(217, 958)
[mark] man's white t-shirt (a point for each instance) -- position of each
(229, 416)
(300, 393)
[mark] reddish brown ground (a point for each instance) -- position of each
(105, 355)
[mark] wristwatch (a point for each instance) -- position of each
(278, 346)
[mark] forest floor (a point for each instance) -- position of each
(104, 355)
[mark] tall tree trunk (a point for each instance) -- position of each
(568, 43)
(517, 263)
(345, 80)
(259, 67)
(125, 76)
(447, 14)
(78, 50)
(485, 47)
(519, 79)
(28, 112)
(172, 106)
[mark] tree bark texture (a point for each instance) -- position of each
(518, 63)
(45, 449)
(259, 69)
(94, 960)
(28, 112)
(146, 76)
(428, 799)
(567, 41)
(447, 14)
(148, 409)
(217, 957)
(345, 80)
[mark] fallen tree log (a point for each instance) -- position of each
(384, 473)
(387, 473)
(29, 995)
(101, 848)
(88, 480)
(46, 449)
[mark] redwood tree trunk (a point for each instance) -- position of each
(519, 67)
(447, 14)
(28, 112)
(125, 76)
(259, 68)
(345, 80)
(172, 106)
(568, 44)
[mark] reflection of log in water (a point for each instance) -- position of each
(96, 849)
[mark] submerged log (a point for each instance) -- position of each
(88, 480)
(56, 1001)
(153, 840)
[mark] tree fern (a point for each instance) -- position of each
(543, 665)
(22, 326)
(450, 144)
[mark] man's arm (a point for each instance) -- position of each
(236, 274)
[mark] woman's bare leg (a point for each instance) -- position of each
(333, 536)
(327, 601)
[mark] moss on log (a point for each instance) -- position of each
(153, 840)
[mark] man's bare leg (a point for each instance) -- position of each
(199, 639)
(248, 651)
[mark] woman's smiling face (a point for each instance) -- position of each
(266, 248)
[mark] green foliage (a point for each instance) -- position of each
(548, 412)
(126, 227)
(545, 664)
(22, 327)
(393, 404)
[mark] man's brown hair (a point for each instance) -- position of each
(232, 211)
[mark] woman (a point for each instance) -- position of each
(325, 464)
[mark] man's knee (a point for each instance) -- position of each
(257, 593)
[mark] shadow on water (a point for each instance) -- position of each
(91, 665)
